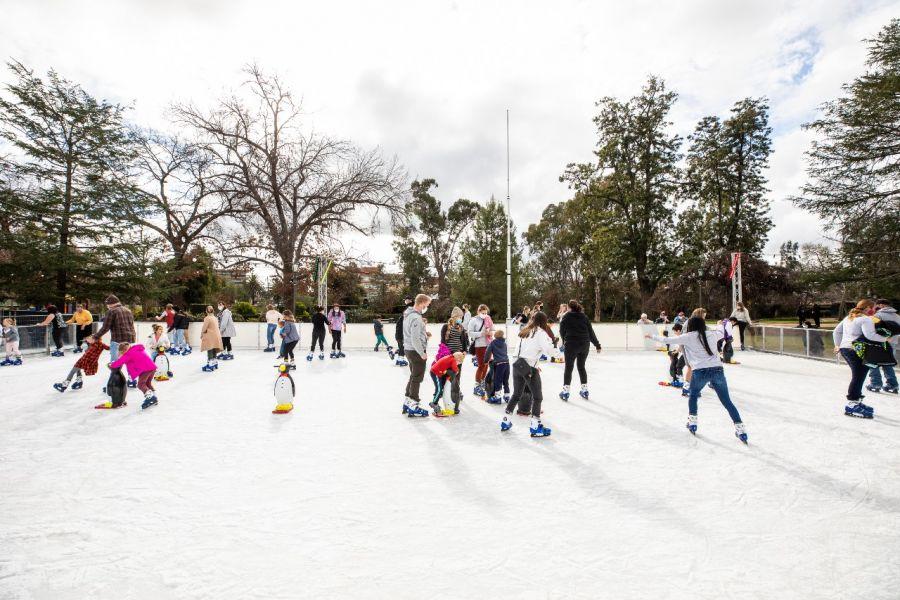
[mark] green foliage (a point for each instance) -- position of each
(246, 310)
(301, 311)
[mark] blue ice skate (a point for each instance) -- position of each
(148, 402)
(860, 410)
(740, 433)
(333, 354)
(875, 389)
(132, 383)
(889, 390)
(321, 356)
(475, 361)
(77, 384)
(57, 353)
(584, 393)
(539, 431)
(692, 424)
(544, 357)
(564, 394)
(6, 361)
(341, 355)
(60, 387)
(17, 361)
(495, 399)
(309, 357)
(478, 391)
(414, 410)
(505, 424)
(208, 368)
(677, 383)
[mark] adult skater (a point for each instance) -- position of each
(856, 324)
(467, 315)
(272, 318)
(885, 312)
(57, 324)
(180, 325)
(337, 323)
(318, 333)
(210, 340)
(479, 331)
(535, 340)
(415, 339)
(663, 318)
(816, 316)
(577, 335)
(742, 315)
(167, 315)
(454, 337)
(83, 321)
(119, 323)
(227, 329)
(697, 345)
(398, 334)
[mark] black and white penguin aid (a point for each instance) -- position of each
(284, 391)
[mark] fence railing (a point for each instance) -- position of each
(792, 341)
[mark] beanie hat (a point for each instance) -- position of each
(111, 299)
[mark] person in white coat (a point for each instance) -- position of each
(226, 328)
(856, 324)
(535, 340)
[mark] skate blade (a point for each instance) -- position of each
(859, 416)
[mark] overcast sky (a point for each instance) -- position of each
(430, 81)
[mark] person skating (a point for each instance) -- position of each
(83, 320)
(210, 340)
(157, 339)
(454, 339)
(817, 316)
(676, 359)
(535, 340)
(400, 355)
(577, 335)
(140, 369)
(319, 323)
(680, 319)
(88, 364)
(415, 339)
(726, 326)
(180, 325)
(168, 315)
(379, 334)
(337, 324)
(466, 316)
(290, 337)
(57, 324)
(697, 344)
(273, 317)
(227, 330)
(885, 312)
(119, 323)
(497, 356)
(10, 335)
(478, 331)
(858, 323)
(442, 371)
(742, 316)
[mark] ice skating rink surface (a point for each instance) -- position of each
(209, 495)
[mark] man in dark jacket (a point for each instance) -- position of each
(398, 332)
(318, 320)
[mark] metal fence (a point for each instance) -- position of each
(792, 341)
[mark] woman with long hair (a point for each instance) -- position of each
(535, 340)
(698, 345)
(858, 323)
(577, 336)
(743, 320)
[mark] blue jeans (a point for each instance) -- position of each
(178, 338)
(715, 377)
(270, 335)
(858, 372)
(113, 351)
(889, 375)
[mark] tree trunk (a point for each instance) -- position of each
(62, 271)
(596, 299)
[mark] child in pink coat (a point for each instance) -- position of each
(140, 368)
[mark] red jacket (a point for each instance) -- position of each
(91, 357)
(448, 363)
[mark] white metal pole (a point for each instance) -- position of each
(508, 233)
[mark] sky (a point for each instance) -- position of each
(430, 82)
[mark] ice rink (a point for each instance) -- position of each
(209, 495)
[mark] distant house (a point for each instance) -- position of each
(236, 275)
(375, 282)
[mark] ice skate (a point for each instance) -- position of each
(132, 383)
(411, 408)
(564, 394)
(57, 353)
(506, 397)
(333, 354)
(208, 368)
(77, 350)
(61, 387)
(436, 408)
(149, 400)
(889, 390)
(309, 357)
(692, 424)
(495, 399)
(321, 356)
(875, 389)
(537, 429)
(740, 433)
(77, 384)
(6, 361)
(858, 409)
(478, 391)
(401, 362)
(584, 391)
(475, 361)
(341, 355)
(505, 424)
(17, 361)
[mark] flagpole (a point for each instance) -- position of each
(508, 233)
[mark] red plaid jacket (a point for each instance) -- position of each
(91, 357)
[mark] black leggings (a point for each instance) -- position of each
(210, 354)
(524, 375)
(80, 334)
(742, 325)
(226, 344)
(289, 349)
(320, 336)
(335, 339)
(57, 337)
(575, 353)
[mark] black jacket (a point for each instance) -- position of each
(180, 322)
(318, 321)
(575, 328)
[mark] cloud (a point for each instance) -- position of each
(431, 81)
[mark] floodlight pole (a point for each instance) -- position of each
(508, 233)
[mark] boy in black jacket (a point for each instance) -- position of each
(318, 321)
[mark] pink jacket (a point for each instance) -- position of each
(136, 361)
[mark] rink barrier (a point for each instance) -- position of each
(816, 344)
(252, 336)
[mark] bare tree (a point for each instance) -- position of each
(182, 201)
(304, 189)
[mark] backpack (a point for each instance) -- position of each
(60, 321)
(472, 345)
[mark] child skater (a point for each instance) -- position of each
(156, 339)
(676, 358)
(698, 344)
(535, 340)
(290, 337)
(88, 364)
(498, 357)
(11, 341)
(140, 368)
(441, 371)
(379, 334)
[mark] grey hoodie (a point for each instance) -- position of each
(414, 337)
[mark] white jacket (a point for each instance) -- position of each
(849, 331)
(694, 353)
(538, 344)
(153, 343)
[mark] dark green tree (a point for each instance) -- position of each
(74, 150)
(635, 178)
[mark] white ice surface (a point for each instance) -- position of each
(209, 495)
